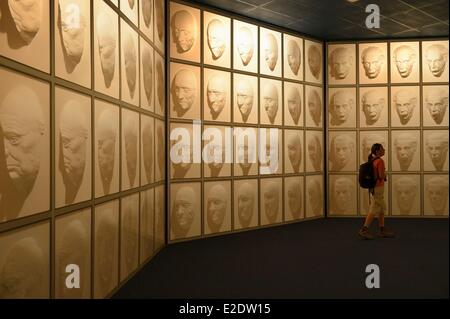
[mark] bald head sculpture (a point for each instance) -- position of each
(270, 51)
(293, 56)
(342, 103)
(437, 192)
(405, 146)
(315, 61)
(216, 95)
(147, 150)
(294, 198)
(294, 151)
(27, 17)
(271, 201)
(405, 103)
(184, 91)
(107, 43)
(216, 33)
(405, 59)
(147, 73)
(340, 63)
(372, 59)
(246, 203)
(342, 151)
(183, 211)
(131, 147)
(294, 103)
(373, 104)
(106, 146)
(244, 98)
(315, 106)
(245, 45)
(130, 61)
(436, 57)
(436, 145)
(184, 30)
(270, 101)
(436, 102)
(216, 207)
(405, 190)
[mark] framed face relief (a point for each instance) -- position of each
(364, 200)
(147, 224)
(313, 62)
(406, 195)
(185, 91)
(130, 64)
(129, 235)
(159, 25)
(435, 155)
(130, 149)
(217, 207)
(314, 151)
(183, 163)
(314, 196)
(147, 76)
(271, 205)
(185, 32)
(146, 18)
(106, 50)
(245, 52)
(106, 148)
(130, 9)
(367, 139)
(72, 147)
(185, 210)
(24, 262)
(160, 142)
(342, 199)
(160, 213)
(270, 151)
(245, 99)
(435, 105)
(435, 61)
(147, 149)
(293, 104)
(342, 151)
(73, 246)
(160, 84)
(313, 106)
(246, 151)
(294, 198)
(106, 243)
(293, 57)
(293, 151)
(24, 145)
(19, 41)
(373, 106)
(405, 106)
(217, 95)
(217, 40)
(342, 105)
(217, 151)
(342, 64)
(270, 101)
(406, 150)
(270, 52)
(245, 203)
(372, 63)
(405, 62)
(435, 195)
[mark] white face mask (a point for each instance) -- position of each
(27, 16)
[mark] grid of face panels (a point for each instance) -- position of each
(82, 131)
(396, 94)
(246, 124)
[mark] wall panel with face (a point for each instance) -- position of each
(129, 235)
(436, 150)
(405, 66)
(130, 64)
(182, 160)
(271, 154)
(214, 148)
(217, 95)
(245, 151)
(293, 151)
(106, 248)
(185, 210)
(405, 106)
(406, 150)
(342, 151)
(313, 62)
(367, 139)
(25, 146)
(217, 40)
(293, 104)
(372, 63)
(217, 207)
(245, 99)
(435, 61)
(130, 149)
(147, 225)
(406, 195)
(245, 203)
(73, 41)
(341, 64)
(184, 32)
(147, 150)
(159, 25)
(314, 151)
(160, 85)
(147, 76)
(313, 106)
(436, 195)
(24, 263)
(271, 201)
(342, 106)
(435, 105)
(270, 51)
(160, 144)
(106, 148)
(342, 190)
(373, 107)
(270, 102)
(73, 147)
(73, 246)
(293, 57)
(245, 55)
(314, 196)
(146, 18)
(25, 29)
(293, 198)
(184, 91)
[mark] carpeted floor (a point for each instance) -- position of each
(315, 259)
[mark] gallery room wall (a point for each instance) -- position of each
(82, 153)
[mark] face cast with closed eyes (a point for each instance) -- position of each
(217, 95)
(405, 147)
(294, 103)
(294, 150)
(405, 193)
(270, 51)
(107, 43)
(184, 91)
(437, 192)
(246, 202)
(314, 61)
(244, 98)
(436, 57)
(106, 147)
(271, 199)
(27, 16)
(294, 198)
(404, 59)
(184, 31)
(341, 105)
(372, 105)
(184, 210)
(405, 104)
(293, 56)
(342, 151)
(343, 193)
(216, 207)
(216, 38)
(270, 101)
(372, 60)
(437, 148)
(245, 45)
(341, 63)
(436, 102)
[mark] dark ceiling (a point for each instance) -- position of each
(343, 20)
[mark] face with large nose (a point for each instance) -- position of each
(184, 209)
(343, 150)
(216, 38)
(293, 55)
(216, 207)
(245, 45)
(341, 63)
(294, 103)
(107, 43)
(437, 148)
(404, 104)
(314, 61)
(436, 101)
(340, 107)
(405, 147)
(437, 190)
(270, 101)
(184, 91)
(373, 104)
(294, 151)
(244, 98)
(271, 51)
(184, 30)
(217, 95)
(404, 59)
(106, 147)
(372, 60)
(436, 58)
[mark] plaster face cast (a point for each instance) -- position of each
(342, 151)
(436, 102)
(404, 105)
(246, 204)
(216, 38)
(437, 191)
(340, 63)
(216, 207)
(217, 95)
(271, 200)
(130, 59)
(294, 56)
(271, 51)
(315, 152)
(315, 197)
(314, 61)
(372, 60)
(107, 241)
(23, 272)
(147, 150)
(404, 59)
(244, 98)
(436, 57)
(294, 199)
(184, 31)
(107, 42)
(27, 16)
(131, 148)
(405, 148)
(245, 154)
(341, 105)
(184, 91)
(147, 72)
(217, 156)
(73, 130)
(294, 150)
(22, 123)
(160, 84)
(343, 193)
(270, 101)
(405, 193)
(372, 105)
(106, 147)
(159, 16)
(183, 211)
(437, 149)
(147, 12)
(294, 103)
(180, 169)
(245, 45)
(314, 107)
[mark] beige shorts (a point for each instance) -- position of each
(377, 204)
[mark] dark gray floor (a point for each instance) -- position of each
(315, 259)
